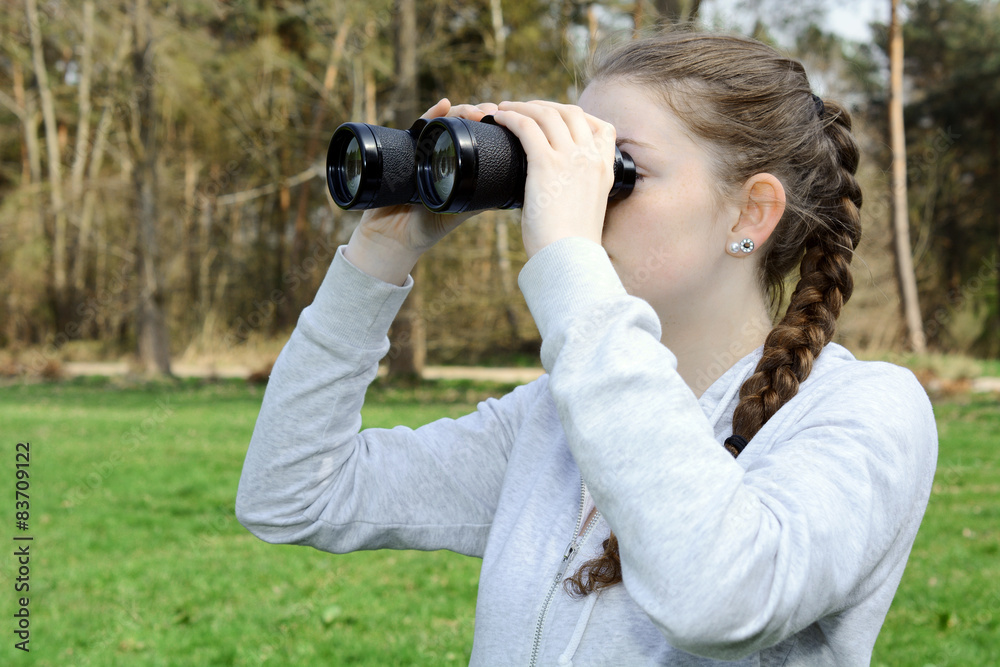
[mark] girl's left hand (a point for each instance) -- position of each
(570, 170)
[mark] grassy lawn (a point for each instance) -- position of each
(138, 560)
(947, 611)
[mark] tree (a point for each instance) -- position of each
(186, 175)
(406, 359)
(900, 209)
(59, 273)
(153, 342)
(953, 140)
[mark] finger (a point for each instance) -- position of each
(549, 120)
(442, 108)
(472, 112)
(595, 138)
(582, 126)
(525, 128)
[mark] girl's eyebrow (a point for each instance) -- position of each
(635, 142)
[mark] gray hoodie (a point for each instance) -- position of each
(789, 555)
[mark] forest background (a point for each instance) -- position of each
(162, 190)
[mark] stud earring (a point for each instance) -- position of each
(745, 246)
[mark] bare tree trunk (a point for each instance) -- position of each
(54, 162)
(189, 249)
(992, 325)
(900, 218)
(565, 20)
(502, 237)
(507, 279)
(357, 90)
(313, 145)
(215, 303)
(593, 27)
(638, 18)
(82, 140)
(409, 348)
(371, 100)
(83, 125)
(151, 326)
(206, 254)
(94, 170)
(499, 36)
(23, 105)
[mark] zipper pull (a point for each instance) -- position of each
(570, 550)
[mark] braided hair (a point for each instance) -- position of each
(754, 111)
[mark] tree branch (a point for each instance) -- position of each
(12, 105)
(315, 171)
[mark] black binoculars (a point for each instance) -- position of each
(449, 164)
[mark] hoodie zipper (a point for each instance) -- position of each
(578, 539)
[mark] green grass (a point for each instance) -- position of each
(990, 367)
(945, 366)
(137, 558)
(947, 611)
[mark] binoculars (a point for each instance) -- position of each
(449, 164)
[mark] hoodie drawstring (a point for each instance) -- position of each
(566, 659)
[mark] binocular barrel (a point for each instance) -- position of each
(449, 164)
(368, 166)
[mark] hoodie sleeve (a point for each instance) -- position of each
(310, 477)
(727, 561)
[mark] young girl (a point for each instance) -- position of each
(614, 523)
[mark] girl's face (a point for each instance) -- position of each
(668, 239)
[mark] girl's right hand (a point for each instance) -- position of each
(388, 241)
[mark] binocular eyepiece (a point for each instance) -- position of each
(449, 164)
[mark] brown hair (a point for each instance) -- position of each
(755, 113)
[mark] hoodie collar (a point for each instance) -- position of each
(719, 400)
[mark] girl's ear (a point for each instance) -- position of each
(762, 203)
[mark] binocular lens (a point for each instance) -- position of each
(352, 167)
(368, 166)
(444, 166)
(463, 165)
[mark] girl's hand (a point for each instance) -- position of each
(388, 241)
(570, 170)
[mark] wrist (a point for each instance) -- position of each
(380, 258)
(536, 242)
